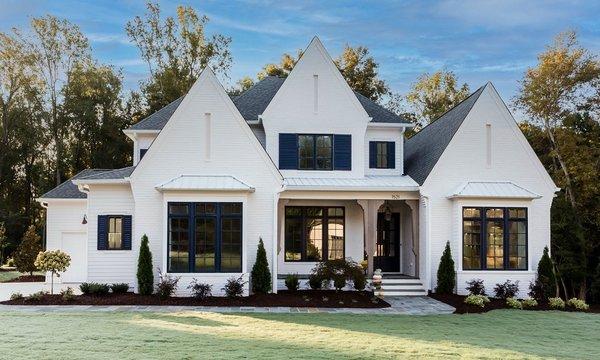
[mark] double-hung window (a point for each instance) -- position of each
(315, 152)
(115, 233)
(494, 238)
(205, 237)
(314, 233)
(382, 155)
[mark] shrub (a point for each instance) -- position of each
(529, 303)
(506, 290)
(556, 303)
(167, 285)
(37, 296)
(27, 251)
(514, 303)
(359, 280)
(477, 300)
(119, 288)
(476, 287)
(10, 262)
(16, 296)
(546, 277)
(578, 304)
(339, 271)
(145, 276)
(200, 290)
(234, 287)
(315, 281)
(446, 275)
(54, 261)
(67, 294)
(537, 290)
(98, 289)
(291, 282)
(261, 275)
(339, 281)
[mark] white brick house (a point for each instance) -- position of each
(317, 172)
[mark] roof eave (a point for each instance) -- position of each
(100, 181)
(505, 197)
(163, 189)
(349, 188)
(383, 125)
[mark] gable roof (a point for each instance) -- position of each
(423, 150)
(253, 102)
(115, 174)
(68, 190)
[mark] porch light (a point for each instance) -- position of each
(388, 211)
(84, 221)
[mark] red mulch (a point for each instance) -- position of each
(28, 278)
(458, 302)
(301, 298)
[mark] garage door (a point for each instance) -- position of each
(74, 244)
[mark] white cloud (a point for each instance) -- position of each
(108, 38)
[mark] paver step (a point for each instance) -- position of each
(405, 293)
(387, 287)
(401, 281)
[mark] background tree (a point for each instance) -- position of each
(432, 95)
(3, 242)
(57, 46)
(360, 71)
(175, 50)
(285, 66)
(242, 85)
(27, 251)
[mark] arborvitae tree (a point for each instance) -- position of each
(27, 251)
(446, 275)
(261, 275)
(545, 275)
(145, 276)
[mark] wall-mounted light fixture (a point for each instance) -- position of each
(84, 221)
(388, 211)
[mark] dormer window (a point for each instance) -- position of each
(382, 155)
(315, 152)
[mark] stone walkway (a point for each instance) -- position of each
(407, 305)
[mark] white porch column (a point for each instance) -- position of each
(370, 208)
(414, 215)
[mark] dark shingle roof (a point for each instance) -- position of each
(255, 100)
(68, 190)
(111, 174)
(423, 150)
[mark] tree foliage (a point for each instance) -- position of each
(175, 51)
(434, 94)
(27, 251)
(446, 274)
(545, 275)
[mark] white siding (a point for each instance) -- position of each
(142, 141)
(110, 266)
(465, 160)
(179, 149)
(339, 112)
(395, 135)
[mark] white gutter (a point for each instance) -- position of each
(348, 188)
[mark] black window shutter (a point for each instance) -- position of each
(288, 151)
(342, 152)
(102, 232)
(391, 155)
(126, 232)
(372, 154)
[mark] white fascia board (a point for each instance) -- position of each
(100, 181)
(47, 200)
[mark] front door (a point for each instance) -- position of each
(387, 254)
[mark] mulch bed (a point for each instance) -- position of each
(28, 278)
(458, 302)
(302, 298)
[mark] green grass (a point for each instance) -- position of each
(505, 334)
(9, 275)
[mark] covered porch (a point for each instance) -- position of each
(376, 224)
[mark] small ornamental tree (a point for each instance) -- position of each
(145, 276)
(446, 275)
(261, 276)
(545, 275)
(27, 251)
(53, 261)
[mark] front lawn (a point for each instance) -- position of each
(13, 275)
(503, 334)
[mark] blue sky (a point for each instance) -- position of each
(479, 40)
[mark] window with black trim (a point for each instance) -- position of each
(314, 233)
(494, 238)
(382, 155)
(315, 152)
(205, 237)
(115, 233)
